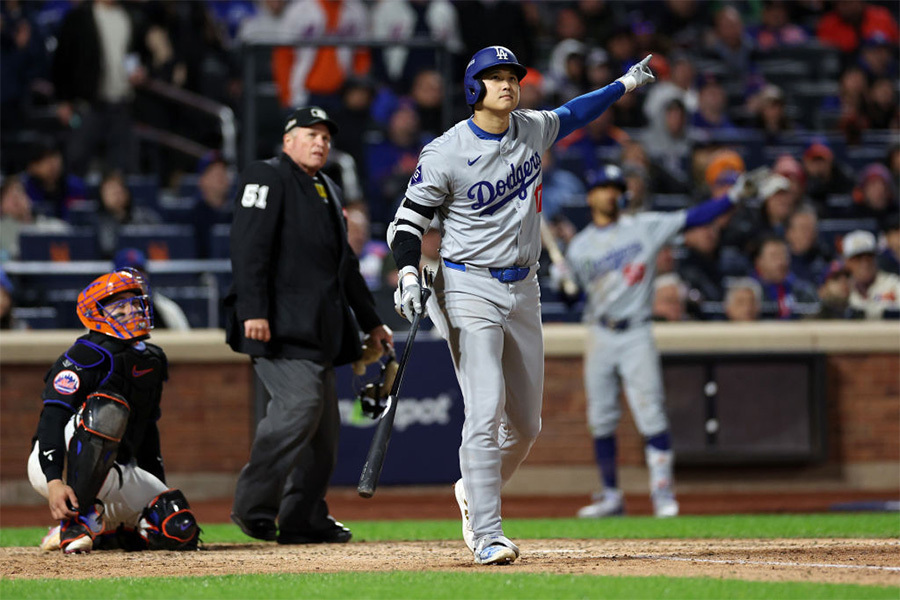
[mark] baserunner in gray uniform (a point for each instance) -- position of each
(482, 179)
(614, 260)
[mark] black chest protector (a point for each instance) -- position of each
(137, 374)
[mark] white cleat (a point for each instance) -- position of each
(665, 505)
(608, 503)
(495, 550)
(467, 532)
(50, 543)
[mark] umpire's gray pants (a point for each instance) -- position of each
(295, 448)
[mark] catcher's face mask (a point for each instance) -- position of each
(373, 395)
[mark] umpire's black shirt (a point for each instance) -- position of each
(292, 265)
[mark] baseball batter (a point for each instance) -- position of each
(614, 260)
(482, 179)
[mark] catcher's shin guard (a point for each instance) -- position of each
(168, 523)
(99, 428)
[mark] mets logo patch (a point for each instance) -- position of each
(66, 382)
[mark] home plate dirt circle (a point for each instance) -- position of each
(857, 561)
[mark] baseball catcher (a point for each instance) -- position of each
(96, 454)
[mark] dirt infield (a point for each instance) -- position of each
(866, 562)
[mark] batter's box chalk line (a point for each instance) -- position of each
(773, 563)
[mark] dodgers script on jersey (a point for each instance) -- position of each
(488, 192)
(617, 264)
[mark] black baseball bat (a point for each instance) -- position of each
(371, 470)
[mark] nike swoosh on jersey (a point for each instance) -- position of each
(49, 454)
(136, 373)
(474, 160)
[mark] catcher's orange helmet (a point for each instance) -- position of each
(114, 318)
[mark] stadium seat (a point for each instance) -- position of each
(79, 244)
(36, 317)
(176, 211)
(220, 241)
(144, 190)
(195, 302)
(82, 213)
(832, 231)
(160, 242)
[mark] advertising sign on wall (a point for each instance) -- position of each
(424, 446)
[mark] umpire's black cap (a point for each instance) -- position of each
(307, 116)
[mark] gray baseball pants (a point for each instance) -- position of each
(496, 341)
(295, 448)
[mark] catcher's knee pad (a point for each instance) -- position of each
(168, 523)
(99, 428)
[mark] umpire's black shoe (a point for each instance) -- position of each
(336, 533)
(261, 529)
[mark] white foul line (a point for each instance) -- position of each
(764, 562)
(726, 562)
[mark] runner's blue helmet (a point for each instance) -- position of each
(607, 175)
(484, 59)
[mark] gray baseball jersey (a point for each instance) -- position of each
(616, 264)
(488, 192)
(488, 198)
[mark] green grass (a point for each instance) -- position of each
(838, 525)
(404, 584)
(495, 584)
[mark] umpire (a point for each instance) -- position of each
(296, 306)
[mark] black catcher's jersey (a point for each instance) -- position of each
(135, 370)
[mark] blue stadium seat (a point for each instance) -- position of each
(82, 213)
(194, 301)
(144, 190)
(177, 211)
(187, 187)
(832, 231)
(160, 242)
(220, 241)
(36, 317)
(79, 244)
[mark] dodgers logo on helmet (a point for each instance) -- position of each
(66, 382)
(482, 60)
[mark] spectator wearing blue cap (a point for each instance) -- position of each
(212, 205)
(166, 312)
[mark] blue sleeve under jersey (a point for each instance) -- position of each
(580, 111)
(707, 212)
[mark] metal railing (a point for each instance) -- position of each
(221, 112)
(253, 88)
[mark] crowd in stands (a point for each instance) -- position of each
(808, 88)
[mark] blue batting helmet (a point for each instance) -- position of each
(610, 175)
(492, 56)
